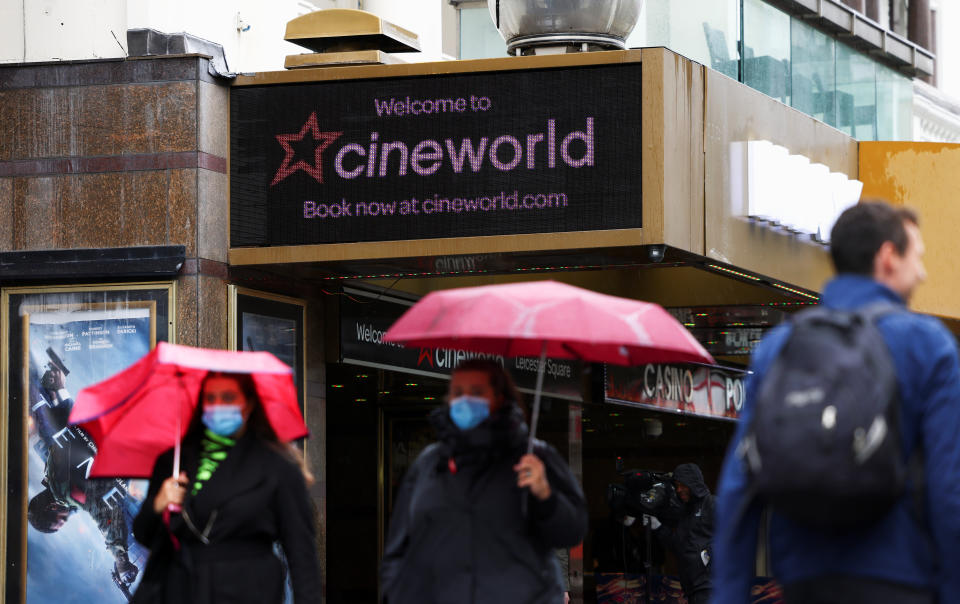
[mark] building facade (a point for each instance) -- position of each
(165, 197)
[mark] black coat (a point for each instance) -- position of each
(692, 535)
(260, 498)
(461, 537)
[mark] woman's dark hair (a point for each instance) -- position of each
(862, 229)
(500, 380)
(257, 423)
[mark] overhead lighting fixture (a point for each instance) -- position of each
(788, 191)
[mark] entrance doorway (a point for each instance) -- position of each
(377, 425)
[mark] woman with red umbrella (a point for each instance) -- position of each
(459, 530)
(241, 491)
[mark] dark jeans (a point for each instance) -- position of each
(854, 590)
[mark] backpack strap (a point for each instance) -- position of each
(915, 471)
(877, 310)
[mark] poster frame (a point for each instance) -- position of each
(242, 299)
(116, 294)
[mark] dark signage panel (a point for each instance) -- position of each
(694, 389)
(436, 156)
(364, 318)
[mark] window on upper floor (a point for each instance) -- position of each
(710, 38)
(813, 72)
(782, 56)
(479, 38)
(766, 49)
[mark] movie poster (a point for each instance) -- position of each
(276, 335)
(266, 322)
(80, 547)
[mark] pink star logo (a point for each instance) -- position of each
(324, 139)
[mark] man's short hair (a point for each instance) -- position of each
(42, 511)
(862, 229)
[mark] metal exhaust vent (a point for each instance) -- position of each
(558, 26)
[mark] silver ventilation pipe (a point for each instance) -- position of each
(556, 26)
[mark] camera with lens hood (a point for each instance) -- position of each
(644, 492)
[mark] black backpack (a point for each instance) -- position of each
(824, 444)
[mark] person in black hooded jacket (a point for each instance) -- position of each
(476, 519)
(691, 536)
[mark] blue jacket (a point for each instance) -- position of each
(898, 548)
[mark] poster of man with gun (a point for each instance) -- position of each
(79, 546)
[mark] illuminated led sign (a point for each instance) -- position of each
(436, 156)
(693, 389)
(789, 192)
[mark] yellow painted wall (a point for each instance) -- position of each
(925, 177)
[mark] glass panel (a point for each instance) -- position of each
(766, 49)
(813, 77)
(58, 341)
(710, 38)
(894, 105)
(856, 94)
(479, 39)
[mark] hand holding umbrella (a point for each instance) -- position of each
(171, 494)
(532, 474)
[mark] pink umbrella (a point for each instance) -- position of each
(547, 319)
(145, 409)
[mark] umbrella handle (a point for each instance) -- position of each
(176, 454)
(173, 508)
(535, 414)
(179, 437)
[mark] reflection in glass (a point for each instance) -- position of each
(894, 105)
(766, 49)
(710, 38)
(856, 94)
(479, 38)
(813, 77)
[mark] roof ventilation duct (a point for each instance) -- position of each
(344, 37)
(561, 26)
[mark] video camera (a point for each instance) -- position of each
(644, 492)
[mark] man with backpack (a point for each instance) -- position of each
(809, 451)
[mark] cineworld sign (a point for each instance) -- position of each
(441, 156)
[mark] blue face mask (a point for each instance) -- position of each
(468, 411)
(223, 420)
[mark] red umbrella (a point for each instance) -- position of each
(547, 319)
(145, 409)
